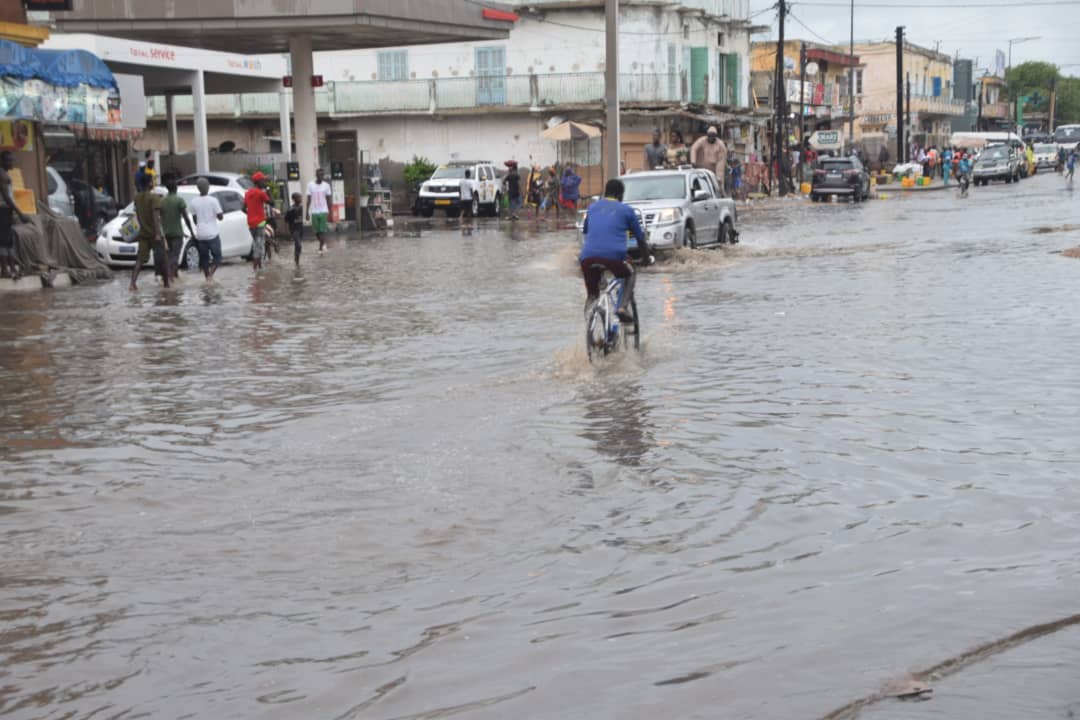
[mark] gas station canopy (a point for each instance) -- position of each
(264, 26)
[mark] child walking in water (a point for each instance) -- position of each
(294, 217)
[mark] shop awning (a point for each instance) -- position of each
(833, 58)
(59, 68)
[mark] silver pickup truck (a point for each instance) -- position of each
(686, 207)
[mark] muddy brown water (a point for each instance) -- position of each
(392, 486)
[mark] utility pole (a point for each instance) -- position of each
(802, 109)
(611, 90)
(1053, 103)
(781, 103)
(907, 122)
(851, 80)
(978, 120)
(901, 155)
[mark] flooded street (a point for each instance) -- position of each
(392, 486)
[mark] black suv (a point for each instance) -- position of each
(840, 176)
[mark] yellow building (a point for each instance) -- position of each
(930, 74)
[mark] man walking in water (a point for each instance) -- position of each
(9, 267)
(255, 201)
(318, 207)
(150, 237)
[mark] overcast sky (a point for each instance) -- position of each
(973, 31)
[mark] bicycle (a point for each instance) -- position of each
(965, 183)
(605, 333)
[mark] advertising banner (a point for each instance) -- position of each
(16, 135)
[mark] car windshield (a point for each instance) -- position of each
(995, 153)
(1046, 148)
(449, 173)
(218, 180)
(837, 165)
(664, 187)
(1067, 133)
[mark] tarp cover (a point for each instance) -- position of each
(60, 68)
(49, 243)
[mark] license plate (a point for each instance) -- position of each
(128, 250)
(442, 202)
(833, 176)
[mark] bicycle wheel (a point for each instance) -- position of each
(637, 324)
(596, 330)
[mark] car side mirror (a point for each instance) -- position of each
(700, 195)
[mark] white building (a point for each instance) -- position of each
(683, 63)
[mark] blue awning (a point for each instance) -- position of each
(59, 68)
(18, 61)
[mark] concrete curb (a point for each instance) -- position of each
(30, 283)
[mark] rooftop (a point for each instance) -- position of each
(264, 26)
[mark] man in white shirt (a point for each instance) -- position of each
(469, 190)
(207, 211)
(318, 206)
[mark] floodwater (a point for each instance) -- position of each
(391, 485)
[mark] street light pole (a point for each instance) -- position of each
(1008, 80)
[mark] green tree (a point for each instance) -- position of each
(1032, 78)
(1067, 109)
(419, 170)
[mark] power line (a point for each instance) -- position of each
(931, 6)
(809, 30)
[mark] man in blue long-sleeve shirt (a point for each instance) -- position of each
(608, 225)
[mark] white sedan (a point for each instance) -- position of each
(235, 237)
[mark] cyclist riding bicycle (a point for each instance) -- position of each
(609, 223)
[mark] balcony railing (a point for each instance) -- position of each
(452, 94)
(925, 104)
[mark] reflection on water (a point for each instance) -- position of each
(390, 484)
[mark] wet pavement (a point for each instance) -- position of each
(391, 485)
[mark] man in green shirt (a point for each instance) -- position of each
(148, 213)
(174, 216)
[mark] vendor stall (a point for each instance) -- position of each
(42, 89)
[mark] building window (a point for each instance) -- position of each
(858, 82)
(719, 39)
(393, 65)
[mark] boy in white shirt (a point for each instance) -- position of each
(318, 206)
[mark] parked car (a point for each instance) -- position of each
(232, 180)
(61, 201)
(443, 190)
(93, 207)
(1046, 156)
(840, 176)
(997, 162)
(680, 208)
(235, 236)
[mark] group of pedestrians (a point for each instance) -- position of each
(946, 163)
(543, 189)
(161, 222)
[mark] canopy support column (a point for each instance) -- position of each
(198, 99)
(170, 116)
(286, 127)
(307, 131)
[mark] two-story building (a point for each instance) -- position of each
(683, 64)
(993, 107)
(824, 98)
(934, 105)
